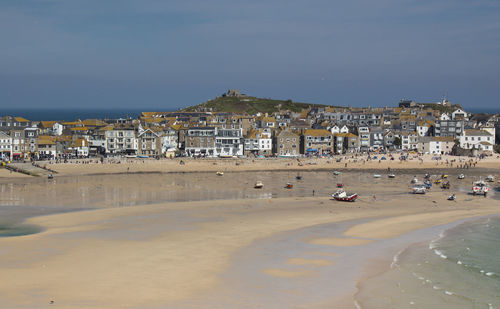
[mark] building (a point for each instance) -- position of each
(5, 146)
(364, 138)
(149, 143)
(445, 126)
(436, 144)
(8, 123)
(229, 142)
(121, 140)
(317, 141)
(345, 143)
(259, 142)
(200, 141)
(46, 147)
(481, 140)
(409, 140)
(287, 144)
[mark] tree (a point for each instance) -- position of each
(397, 141)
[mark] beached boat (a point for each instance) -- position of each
(289, 185)
(377, 175)
(219, 173)
(461, 176)
(336, 173)
(452, 197)
(343, 196)
(391, 175)
(427, 176)
(143, 157)
(131, 156)
(419, 188)
(258, 185)
(414, 180)
(340, 185)
(298, 177)
(50, 176)
(428, 184)
(490, 178)
(438, 181)
(480, 188)
(445, 185)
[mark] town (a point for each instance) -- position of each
(429, 128)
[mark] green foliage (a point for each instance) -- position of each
(443, 108)
(497, 148)
(397, 141)
(249, 105)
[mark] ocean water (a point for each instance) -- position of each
(460, 269)
(38, 114)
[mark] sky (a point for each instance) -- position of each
(161, 54)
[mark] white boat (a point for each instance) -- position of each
(419, 188)
(258, 185)
(480, 188)
(336, 173)
(391, 175)
(414, 180)
(490, 178)
(377, 175)
(343, 196)
(219, 173)
(130, 156)
(461, 176)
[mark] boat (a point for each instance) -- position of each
(289, 185)
(50, 176)
(219, 173)
(428, 184)
(391, 175)
(445, 185)
(461, 176)
(341, 195)
(427, 176)
(480, 187)
(419, 188)
(130, 156)
(336, 173)
(298, 177)
(340, 185)
(444, 176)
(377, 176)
(452, 197)
(143, 157)
(490, 178)
(438, 181)
(414, 180)
(258, 185)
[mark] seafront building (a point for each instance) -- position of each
(435, 128)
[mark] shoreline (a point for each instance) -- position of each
(192, 246)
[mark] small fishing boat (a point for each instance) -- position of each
(428, 184)
(461, 176)
(298, 177)
(130, 156)
(258, 185)
(490, 178)
(427, 176)
(340, 185)
(414, 180)
(377, 175)
(480, 188)
(445, 185)
(444, 176)
(343, 196)
(143, 157)
(289, 185)
(50, 176)
(391, 175)
(219, 173)
(336, 173)
(452, 197)
(438, 181)
(419, 188)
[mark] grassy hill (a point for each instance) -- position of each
(249, 105)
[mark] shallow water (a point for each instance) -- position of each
(460, 269)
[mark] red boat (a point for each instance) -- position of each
(340, 185)
(343, 196)
(289, 185)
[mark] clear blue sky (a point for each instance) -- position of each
(162, 54)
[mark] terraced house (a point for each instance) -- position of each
(317, 141)
(287, 144)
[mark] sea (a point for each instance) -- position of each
(459, 269)
(38, 114)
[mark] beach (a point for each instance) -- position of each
(160, 234)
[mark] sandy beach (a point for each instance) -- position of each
(166, 239)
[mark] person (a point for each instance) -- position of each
(313, 192)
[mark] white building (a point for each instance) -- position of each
(121, 141)
(259, 142)
(481, 140)
(228, 142)
(5, 146)
(364, 138)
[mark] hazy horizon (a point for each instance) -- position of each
(168, 54)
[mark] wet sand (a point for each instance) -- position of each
(198, 240)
